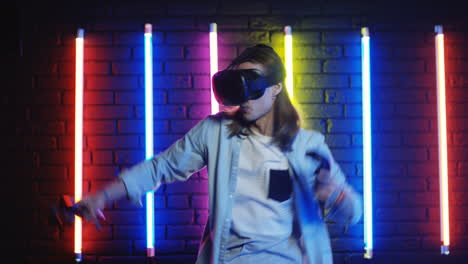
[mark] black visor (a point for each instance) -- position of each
(235, 87)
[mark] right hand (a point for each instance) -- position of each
(90, 207)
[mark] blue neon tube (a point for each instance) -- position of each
(149, 135)
(367, 142)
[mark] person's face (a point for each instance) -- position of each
(255, 109)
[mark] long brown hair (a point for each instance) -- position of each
(286, 118)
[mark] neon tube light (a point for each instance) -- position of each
(79, 75)
(367, 142)
(442, 121)
(213, 63)
(289, 61)
(149, 134)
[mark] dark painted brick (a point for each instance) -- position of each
(270, 22)
(113, 142)
(130, 232)
(201, 82)
(300, 38)
(294, 8)
(169, 246)
(317, 52)
(188, 8)
(393, 66)
(185, 67)
(398, 96)
(398, 38)
(131, 67)
(101, 127)
(199, 202)
(309, 96)
(174, 217)
(385, 199)
(400, 214)
(52, 83)
(199, 111)
(356, 140)
(247, 38)
(347, 154)
(161, 52)
(128, 157)
(178, 202)
(386, 139)
(102, 157)
(107, 53)
(322, 110)
(138, 97)
(100, 172)
(164, 112)
(201, 217)
(115, 247)
(400, 184)
(138, 126)
(111, 83)
(187, 37)
(343, 96)
(108, 112)
(136, 38)
(236, 8)
(184, 232)
(327, 23)
(189, 97)
(403, 243)
(409, 154)
(307, 66)
(344, 125)
(331, 37)
(48, 172)
(419, 199)
(321, 81)
(414, 53)
(347, 244)
(404, 125)
(416, 110)
(182, 126)
(418, 228)
(338, 140)
(421, 139)
(172, 81)
(353, 110)
(344, 8)
(342, 66)
(165, 141)
(199, 187)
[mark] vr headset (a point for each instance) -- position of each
(235, 87)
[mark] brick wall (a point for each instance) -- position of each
(328, 90)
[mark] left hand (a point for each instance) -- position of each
(325, 185)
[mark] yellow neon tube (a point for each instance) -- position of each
(289, 61)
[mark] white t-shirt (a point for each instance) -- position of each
(262, 213)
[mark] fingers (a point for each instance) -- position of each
(101, 214)
(324, 176)
(323, 192)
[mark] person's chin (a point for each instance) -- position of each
(248, 118)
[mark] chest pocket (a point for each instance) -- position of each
(280, 185)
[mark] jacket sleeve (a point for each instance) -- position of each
(177, 163)
(344, 205)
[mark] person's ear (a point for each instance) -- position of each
(277, 89)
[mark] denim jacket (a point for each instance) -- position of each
(209, 144)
